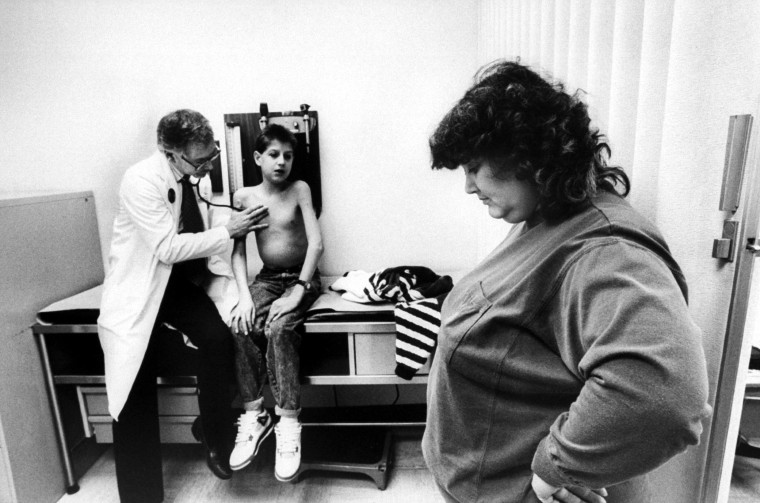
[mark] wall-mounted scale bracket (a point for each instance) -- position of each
(241, 131)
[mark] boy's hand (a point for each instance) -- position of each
(247, 220)
(242, 317)
(283, 306)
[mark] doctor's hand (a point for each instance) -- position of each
(571, 494)
(243, 222)
(242, 317)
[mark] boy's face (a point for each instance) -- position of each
(275, 162)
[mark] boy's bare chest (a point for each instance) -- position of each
(284, 212)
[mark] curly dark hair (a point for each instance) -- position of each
(180, 128)
(530, 127)
(271, 133)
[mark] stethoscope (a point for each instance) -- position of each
(209, 203)
(172, 196)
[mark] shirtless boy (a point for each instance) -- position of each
(265, 319)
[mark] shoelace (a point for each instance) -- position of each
(246, 427)
(287, 437)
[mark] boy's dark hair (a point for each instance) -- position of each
(271, 133)
(180, 128)
(525, 125)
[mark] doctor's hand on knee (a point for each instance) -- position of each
(241, 319)
(547, 493)
(247, 220)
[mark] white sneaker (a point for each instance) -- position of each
(253, 428)
(287, 460)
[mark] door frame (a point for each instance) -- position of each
(732, 375)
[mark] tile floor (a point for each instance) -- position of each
(188, 480)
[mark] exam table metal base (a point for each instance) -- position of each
(71, 480)
(354, 362)
(367, 450)
(745, 449)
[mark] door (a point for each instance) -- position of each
(736, 344)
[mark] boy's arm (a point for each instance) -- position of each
(313, 235)
(313, 252)
(243, 312)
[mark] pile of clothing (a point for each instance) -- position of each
(418, 293)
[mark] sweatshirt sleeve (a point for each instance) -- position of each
(623, 327)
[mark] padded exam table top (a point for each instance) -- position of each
(84, 308)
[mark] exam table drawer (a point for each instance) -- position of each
(375, 354)
(171, 401)
(177, 408)
(172, 429)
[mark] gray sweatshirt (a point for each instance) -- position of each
(568, 352)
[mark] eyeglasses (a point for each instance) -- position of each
(199, 164)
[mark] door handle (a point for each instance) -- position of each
(724, 247)
(752, 245)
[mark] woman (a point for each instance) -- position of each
(567, 364)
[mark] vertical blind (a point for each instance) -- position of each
(614, 52)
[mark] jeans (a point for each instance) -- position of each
(279, 340)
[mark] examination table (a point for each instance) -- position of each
(344, 343)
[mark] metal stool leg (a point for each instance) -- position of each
(71, 481)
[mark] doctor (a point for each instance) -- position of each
(156, 271)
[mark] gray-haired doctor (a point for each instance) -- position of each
(156, 269)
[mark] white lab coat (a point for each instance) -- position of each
(144, 246)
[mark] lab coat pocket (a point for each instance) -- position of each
(473, 306)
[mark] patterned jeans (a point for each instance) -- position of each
(280, 341)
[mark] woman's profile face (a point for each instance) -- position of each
(507, 197)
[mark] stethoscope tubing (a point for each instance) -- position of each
(198, 191)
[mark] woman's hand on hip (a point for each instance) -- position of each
(547, 493)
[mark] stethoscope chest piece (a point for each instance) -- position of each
(172, 196)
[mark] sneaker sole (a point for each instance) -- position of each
(288, 479)
(256, 450)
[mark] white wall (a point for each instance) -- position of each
(84, 83)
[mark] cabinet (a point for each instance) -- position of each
(50, 249)
(371, 352)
